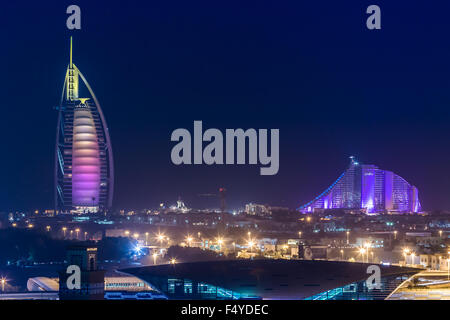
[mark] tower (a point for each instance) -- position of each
(84, 166)
(92, 280)
(222, 195)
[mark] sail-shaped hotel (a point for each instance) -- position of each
(84, 166)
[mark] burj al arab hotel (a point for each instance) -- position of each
(84, 166)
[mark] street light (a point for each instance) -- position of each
(448, 266)
(362, 251)
(405, 253)
(136, 235)
(342, 254)
(440, 233)
(448, 269)
(146, 238)
(173, 261)
(48, 228)
(348, 233)
(155, 255)
(160, 238)
(395, 235)
(64, 229)
(300, 234)
(3, 281)
(189, 240)
(250, 244)
(85, 235)
(127, 233)
(220, 242)
(77, 230)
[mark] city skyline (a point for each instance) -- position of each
(333, 92)
(242, 152)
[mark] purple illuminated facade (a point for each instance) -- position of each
(84, 175)
(368, 188)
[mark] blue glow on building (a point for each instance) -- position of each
(360, 291)
(368, 188)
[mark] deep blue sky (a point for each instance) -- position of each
(309, 68)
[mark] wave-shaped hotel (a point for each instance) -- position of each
(367, 188)
(84, 169)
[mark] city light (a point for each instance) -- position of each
(362, 251)
(160, 237)
(138, 250)
(189, 240)
(173, 261)
(3, 282)
(250, 244)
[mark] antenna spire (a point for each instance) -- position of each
(72, 78)
(70, 52)
(353, 160)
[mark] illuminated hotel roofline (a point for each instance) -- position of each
(367, 187)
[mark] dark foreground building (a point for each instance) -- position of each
(270, 279)
(92, 279)
(367, 188)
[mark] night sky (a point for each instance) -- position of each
(310, 68)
